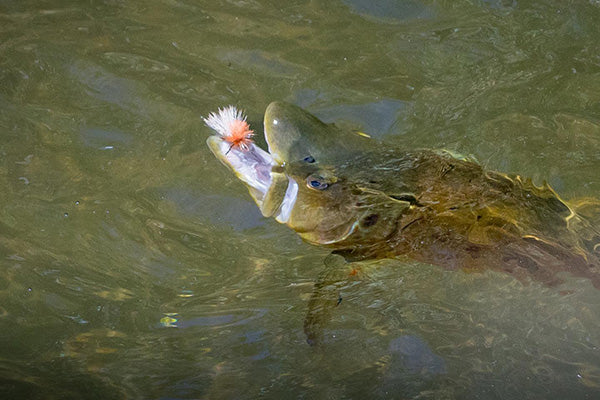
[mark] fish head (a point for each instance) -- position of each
(294, 134)
(315, 179)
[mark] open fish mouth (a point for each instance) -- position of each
(252, 166)
(273, 192)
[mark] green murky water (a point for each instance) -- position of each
(133, 265)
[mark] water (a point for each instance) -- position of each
(133, 265)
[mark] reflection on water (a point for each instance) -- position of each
(134, 266)
(389, 10)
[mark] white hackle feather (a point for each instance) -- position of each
(221, 122)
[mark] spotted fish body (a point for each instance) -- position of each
(366, 200)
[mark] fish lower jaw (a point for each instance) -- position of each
(289, 200)
(254, 167)
(251, 166)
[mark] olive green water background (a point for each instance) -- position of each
(134, 266)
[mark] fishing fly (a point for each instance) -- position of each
(230, 123)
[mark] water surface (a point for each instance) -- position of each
(133, 265)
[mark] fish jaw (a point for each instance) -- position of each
(273, 192)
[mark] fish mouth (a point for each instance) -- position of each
(273, 191)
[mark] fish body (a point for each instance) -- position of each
(366, 200)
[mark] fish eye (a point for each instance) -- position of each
(309, 159)
(316, 182)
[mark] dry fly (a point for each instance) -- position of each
(230, 123)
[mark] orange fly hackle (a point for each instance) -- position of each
(240, 134)
(230, 123)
